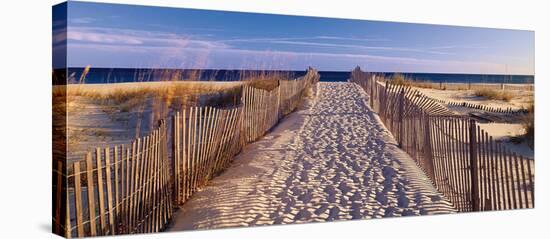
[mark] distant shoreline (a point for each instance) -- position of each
(117, 75)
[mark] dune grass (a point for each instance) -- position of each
(400, 79)
(122, 92)
(493, 94)
(171, 93)
(265, 80)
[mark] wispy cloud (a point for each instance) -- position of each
(472, 47)
(302, 41)
(352, 38)
(81, 20)
(363, 47)
(158, 50)
(114, 36)
(207, 51)
(339, 38)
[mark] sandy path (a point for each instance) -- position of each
(330, 160)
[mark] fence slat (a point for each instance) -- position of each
(91, 196)
(101, 201)
(58, 192)
(127, 190)
(134, 179)
(524, 182)
(507, 181)
(176, 158)
(117, 186)
(184, 157)
(78, 199)
(486, 172)
(108, 180)
(531, 185)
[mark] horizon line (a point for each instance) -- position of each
(351, 69)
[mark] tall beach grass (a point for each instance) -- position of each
(494, 94)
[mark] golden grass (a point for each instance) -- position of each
(400, 79)
(493, 94)
(125, 97)
(124, 91)
(266, 84)
(170, 93)
(265, 80)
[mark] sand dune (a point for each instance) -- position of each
(330, 160)
(520, 100)
(96, 118)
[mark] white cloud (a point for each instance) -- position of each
(114, 36)
(194, 56)
(351, 38)
(82, 20)
(300, 42)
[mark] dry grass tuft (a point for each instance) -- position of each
(266, 84)
(400, 79)
(493, 94)
(265, 80)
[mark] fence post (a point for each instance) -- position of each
(400, 119)
(473, 167)
(373, 81)
(174, 167)
(428, 153)
(383, 106)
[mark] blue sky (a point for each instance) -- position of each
(107, 35)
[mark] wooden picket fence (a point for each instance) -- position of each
(206, 139)
(261, 111)
(508, 110)
(116, 190)
(290, 93)
(478, 172)
(468, 166)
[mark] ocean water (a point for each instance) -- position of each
(118, 75)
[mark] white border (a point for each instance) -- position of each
(25, 140)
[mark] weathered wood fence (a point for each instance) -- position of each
(116, 190)
(468, 166)
(508, 110)
(206, 139)
(261, 111)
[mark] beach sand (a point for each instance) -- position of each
(330, 160)
(522, 98)
(504, 132)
